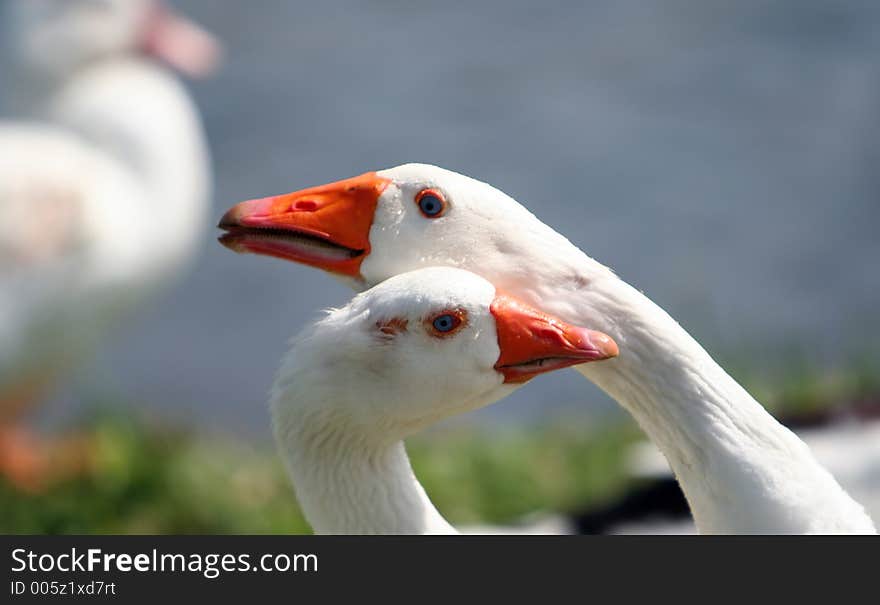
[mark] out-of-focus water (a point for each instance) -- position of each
(724, 157)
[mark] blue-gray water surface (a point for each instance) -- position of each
(721, 156)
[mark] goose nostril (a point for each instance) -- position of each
(305, 205)
(550, 335)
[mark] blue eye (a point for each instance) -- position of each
(444, 323)
(431, 203)
(447, 322)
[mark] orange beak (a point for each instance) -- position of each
(327, 227)
(533, 342)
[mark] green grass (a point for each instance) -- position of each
(150, 479)
(145, 479)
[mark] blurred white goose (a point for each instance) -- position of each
(407, 353)
(742, 471)
(103, 192)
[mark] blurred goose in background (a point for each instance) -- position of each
(399, 357)
(104, 186)
(741, 471)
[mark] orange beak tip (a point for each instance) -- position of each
(327, 227)
(611, 350)
(532, 342)
(231, 242)
(603, 345)
(226, 222)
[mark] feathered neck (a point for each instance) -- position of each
(741, 470)
(349, 479)
(347, 485)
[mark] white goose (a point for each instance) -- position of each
(742, 471)
(417, 348)
(103, 193)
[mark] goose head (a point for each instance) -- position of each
(370, 227)
(419, 347)
(53, 38)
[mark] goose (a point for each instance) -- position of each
(417, 348)
(104, 185)
(740, 470)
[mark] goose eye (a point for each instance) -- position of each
(446, 323)
(431, 203)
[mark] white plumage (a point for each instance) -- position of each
(368, 375)
(848, 447)
(104, 183)
(741, 470)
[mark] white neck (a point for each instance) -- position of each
(347, 483)
(741, 470)
(142, 117)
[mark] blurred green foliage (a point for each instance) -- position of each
(144, 478)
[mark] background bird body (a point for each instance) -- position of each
(104, 188)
